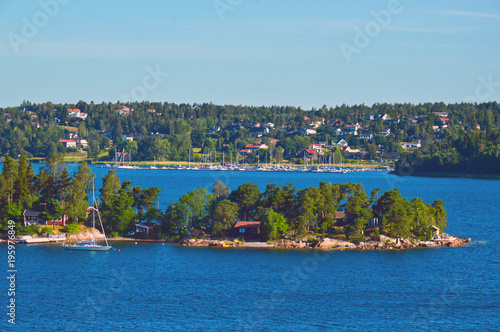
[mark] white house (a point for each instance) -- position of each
(127, 138)
(82, 142)
(69, 143)
(386, 132)
(342, 143)
(352, 130)
(305, 132)
(256, 147)
(411, 145)
(316, 147)
(366, 135)
(124, 110)
(76, 113)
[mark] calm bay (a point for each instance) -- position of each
(165, 287)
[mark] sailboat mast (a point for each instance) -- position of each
(93, 212)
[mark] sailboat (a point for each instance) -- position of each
(91, 245)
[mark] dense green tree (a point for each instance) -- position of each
(220, 190)
(76, 195)
(9, 175)
(21, 187)
(110, 186)
(274, 226)
(223, 217)
(144, 199)
(247, 197)
(117, 212)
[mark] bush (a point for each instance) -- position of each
(114, 235)
(26, 230)
(47, 229)
(72, 228)
(376, 234)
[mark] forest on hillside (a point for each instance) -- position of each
(467, 140)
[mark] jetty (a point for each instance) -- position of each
(28, 239)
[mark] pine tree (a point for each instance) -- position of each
(21, 190)
(9, 174)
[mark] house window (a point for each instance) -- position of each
(242, 230)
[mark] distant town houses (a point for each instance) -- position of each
(443, 121)
(68, 143)
(71, 135)
(366, 135)
(124, 110)
(335, 123)
(376, 117)
(76, 113)
(441, 114)
(259, 131)
(318, 147)
(391, 121)
(411, 145)
(385, 132)
(308, 154)
(235, 127)
(342, 143)
(127, 138)
(214, 129)
(256, 147)
(389, 155)
(351, 130)
(306, 132)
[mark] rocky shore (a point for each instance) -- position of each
(385, 243)
(84, 236)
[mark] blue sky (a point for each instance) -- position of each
(252, 52)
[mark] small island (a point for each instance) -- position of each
(331, 216)
(339, 215)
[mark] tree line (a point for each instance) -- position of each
(284, 210)
(173, 130)
(288, 212)
(53, 192)
(473, 152)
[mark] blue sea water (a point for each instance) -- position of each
(156, 287)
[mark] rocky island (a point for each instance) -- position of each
(385, 243)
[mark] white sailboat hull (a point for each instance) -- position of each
(86, 247)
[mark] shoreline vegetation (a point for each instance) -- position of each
(330, 215)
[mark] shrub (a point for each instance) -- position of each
(376, 234)
(114, 234)
(72, 228)
(357, 239)
(47, 229)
